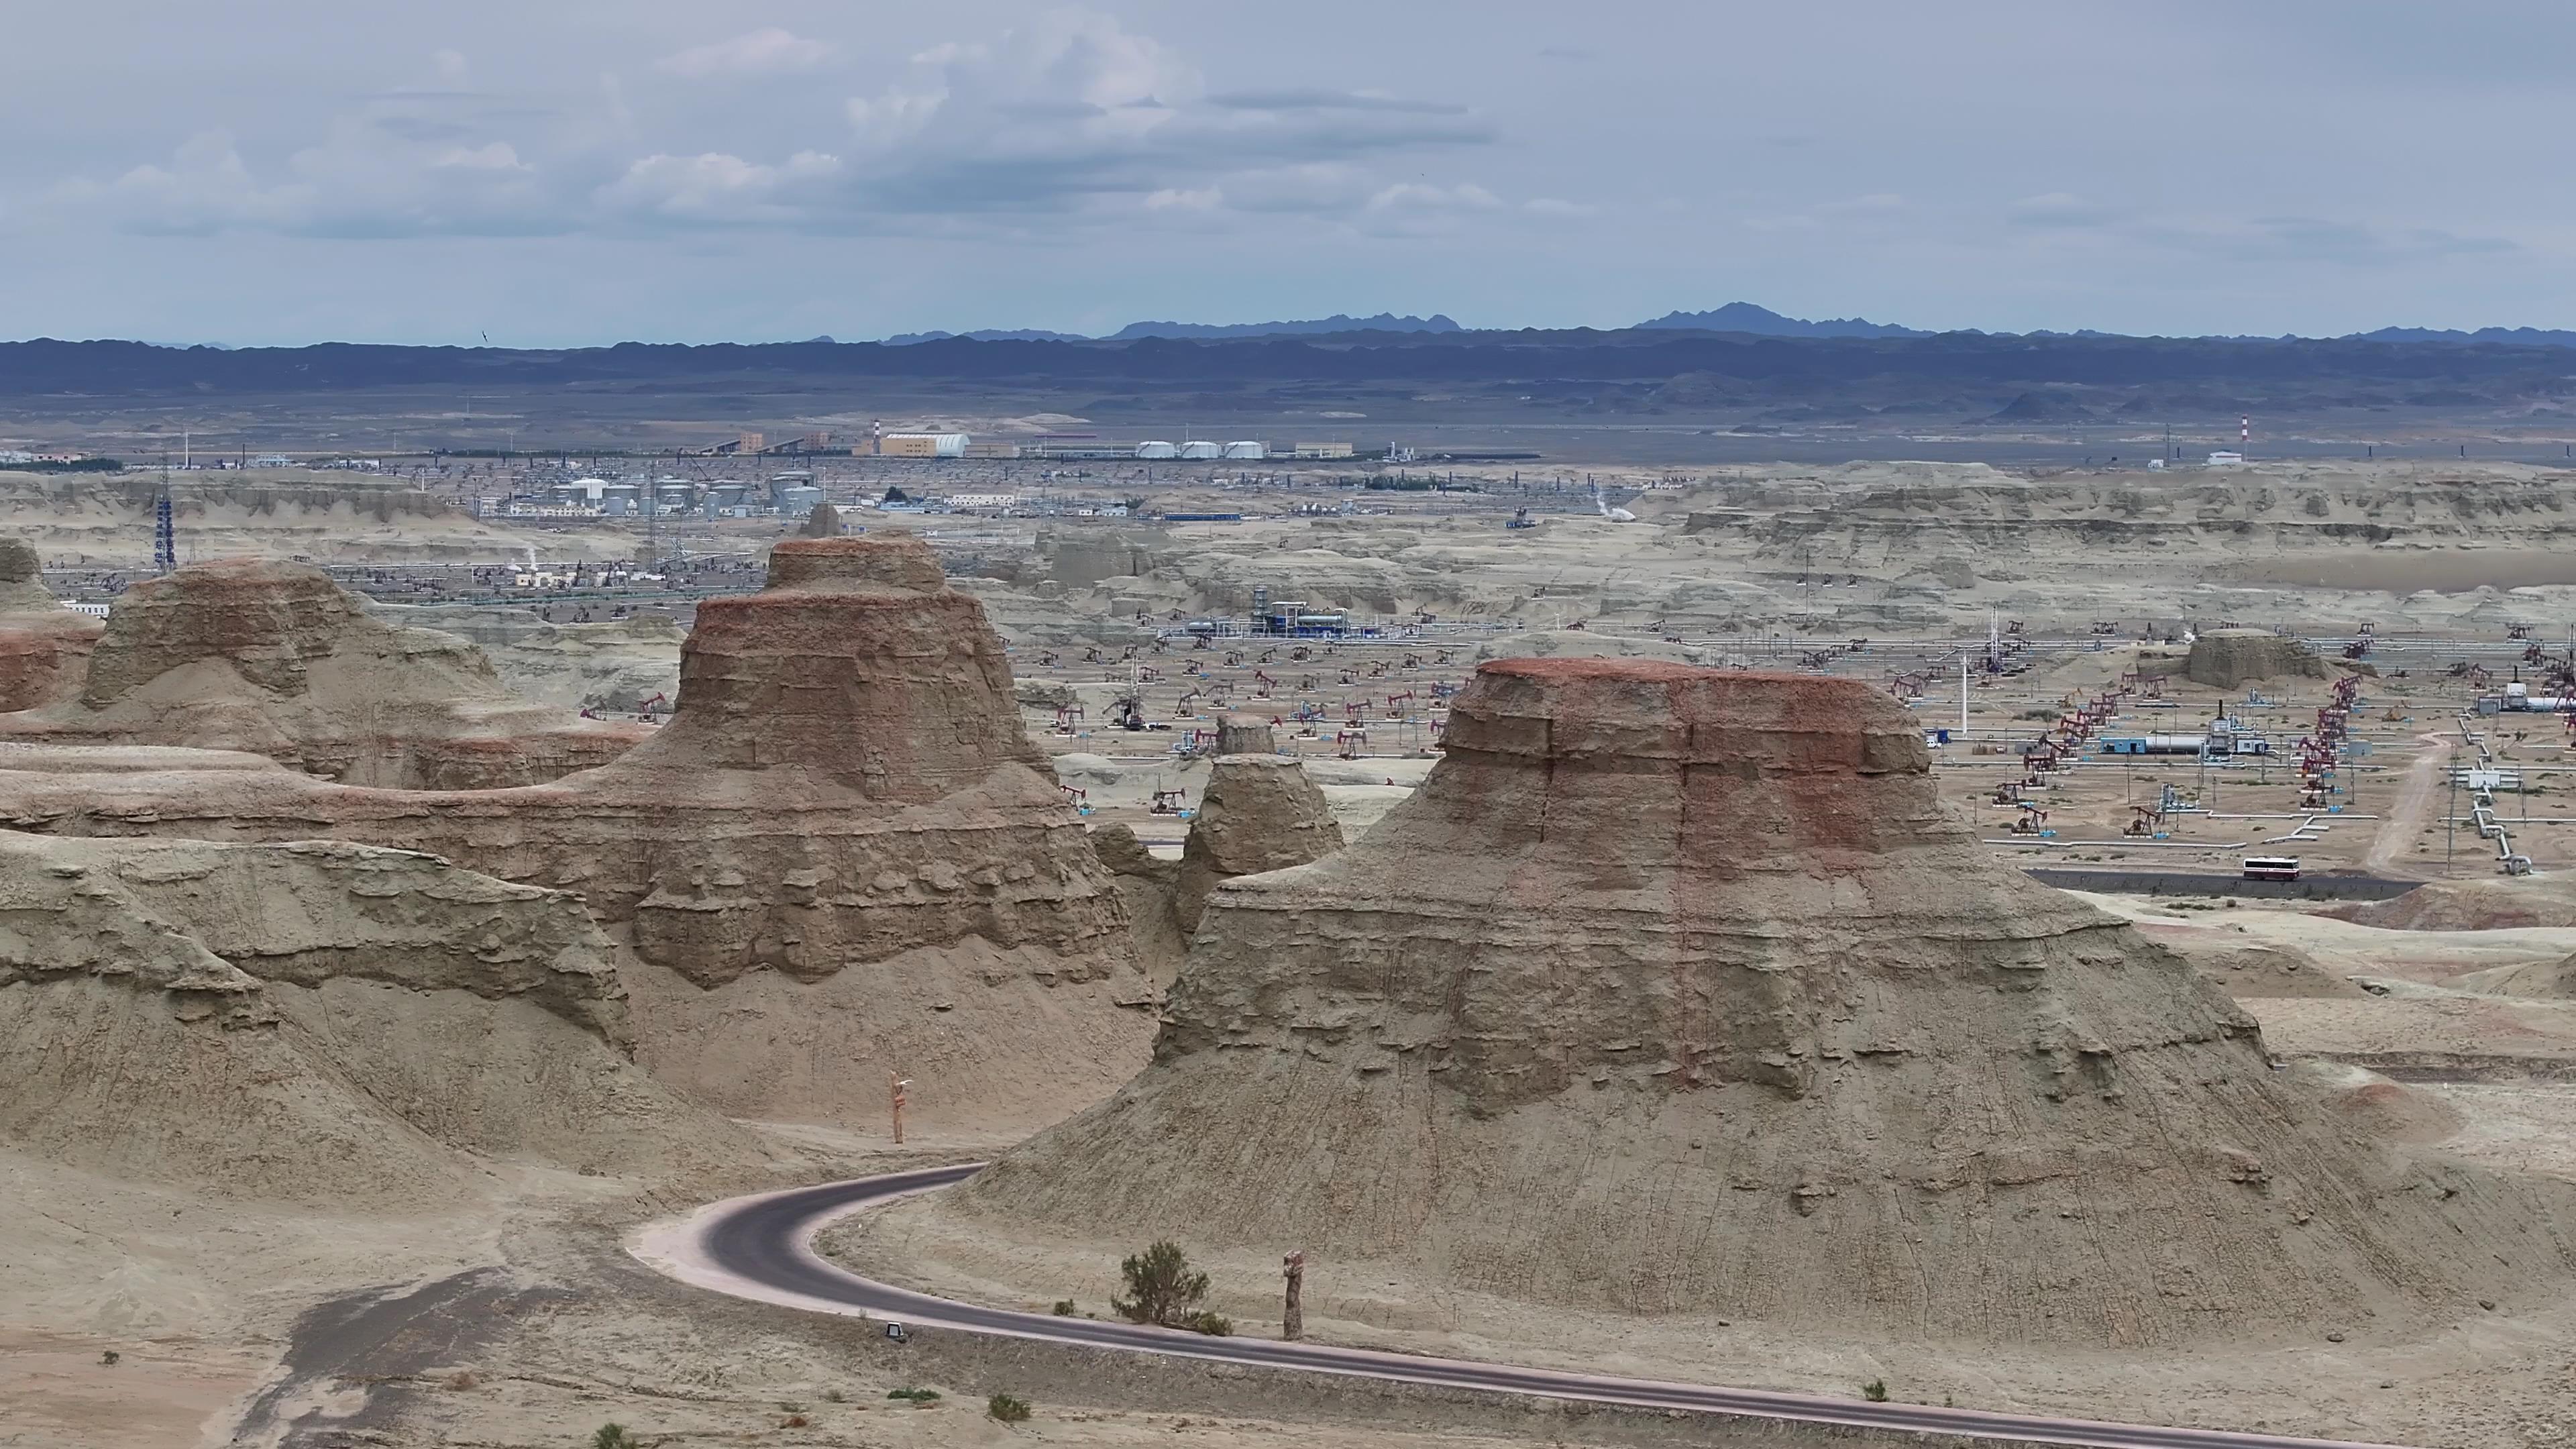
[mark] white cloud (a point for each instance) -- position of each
(498, 156)
(1071, 115)
(1073, 111)
(1203, 198)
(2060, 209)
(363, 179)
(1413, 196)
(767, 51)
(205, 188)
(1555, 206)
(720, 190)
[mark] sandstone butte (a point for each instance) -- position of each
(1678, 991)
(842, 858)
(276, 659)
(43, 646)
(1258, 812)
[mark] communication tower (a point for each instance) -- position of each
(165, 540)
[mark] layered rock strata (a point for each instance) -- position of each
(1257, 813)
(842, 857)
(44, 647)
(278, 660)
(1678, 991)
(317, 1022)
(2230, 658)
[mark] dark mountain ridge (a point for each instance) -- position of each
(47, 367)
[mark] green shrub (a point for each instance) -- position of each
(1161, 1288)
(1064, 1308)
(614, 1436)
(1875, 1391)
(1214, 1325)
(918, 1396)
(1007, 1408)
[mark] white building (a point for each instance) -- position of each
(984, 500)
(1157, 450)
(2228, 458)
(1247, 451)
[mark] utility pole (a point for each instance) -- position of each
(1292, 1318)
(897, 1092)
(2451, 815)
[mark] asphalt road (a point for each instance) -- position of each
(761, 1247)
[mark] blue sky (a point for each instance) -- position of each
(556, 172)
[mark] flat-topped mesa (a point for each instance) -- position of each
(277, 659)
(264, 620)
(1245, 734)
(1677, 991)
(841, 859)
(857, 662)
(1666, 765)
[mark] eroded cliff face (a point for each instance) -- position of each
(317, 1022)
(279, 660)
(1678, 990)
(44, 647)
(1259, 812)
(841, 858)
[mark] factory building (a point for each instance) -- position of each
(922, 445)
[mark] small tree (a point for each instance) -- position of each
(1161, 1289)
(613, 1436)
(1007, 1408)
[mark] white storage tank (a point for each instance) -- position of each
(1157, 450)
(1202, 450)
(1250, 452)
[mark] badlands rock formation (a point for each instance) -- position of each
(279, 660)
(841, 858)
(316, 1022)
(1677, 990)
(43, 646)
(2230, 658)
(611, 665)
(1258, 813)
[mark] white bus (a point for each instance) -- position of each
(2271, 867)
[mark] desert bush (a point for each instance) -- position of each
(1161, 1288)
(1875, 1391)
(918, 1396)
(1064, 1308)
(614, 1436)
(1214, 1325)
(1007, 1408)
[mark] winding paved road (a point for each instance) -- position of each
(761, 1247)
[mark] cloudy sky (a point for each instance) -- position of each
(553, 172)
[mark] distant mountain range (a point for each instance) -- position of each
(1740, 318)
(1763, 322)
(1321, 326)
